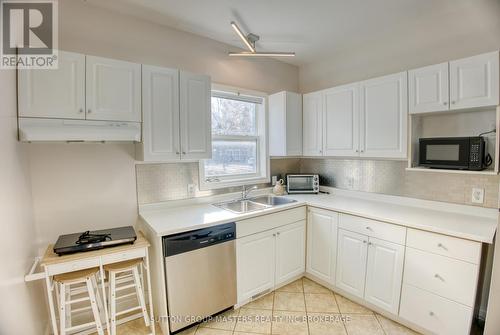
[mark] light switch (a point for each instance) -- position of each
(477, 195)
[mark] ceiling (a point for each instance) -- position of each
(316, 29)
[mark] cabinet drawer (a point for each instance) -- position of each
(72, 266)
(270, 221)
(123, 256)
(377, 229)
(449, 278)
(434, 313)
(465, 250)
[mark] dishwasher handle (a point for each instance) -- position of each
(197, 239)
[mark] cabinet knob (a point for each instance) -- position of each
(369, 228)
(431, 313)
(274, 235)
(80, 110)
(437, 276)
(183, 152)
(177, 153)
(370, 243)
(278, 234)
(89, 111)
(453, 102)
(364, 241)
(440, 245)
(357, 150)
(445, 103)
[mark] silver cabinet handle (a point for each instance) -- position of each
(370, 243)
(80, 110)
(183, 152)
(445, 103)
(177, 153)
(364, 241)
(440, 245)
(89, 111)
(357, 150)
(274, 235)
(437, 276)
(369, 228)
(278, 234)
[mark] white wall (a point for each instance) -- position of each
(469, 28)
(22, 304)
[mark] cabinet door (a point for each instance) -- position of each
(351, 262)
(429, 89)
(341, 125)
(113, 90)
(322, 244)
(196, 118)
(160, 101)
(312, 121)
(384, 117)
(290, 251)
(293, 124)
(384, 274)
(56, 93)
(255, 260)
(474, 81)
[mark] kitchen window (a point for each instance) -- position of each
(239, 142)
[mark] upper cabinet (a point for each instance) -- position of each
(195, 116)
(82, 88)
(177, 115)
(461, 84)
(474, 81)
(312, 124)
(366, 119)
(384, 116)
(341, 120)
(113, 90)
(429, 91)
(160, 106)
(54, 93)
(285, 124)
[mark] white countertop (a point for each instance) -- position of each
(468, 222)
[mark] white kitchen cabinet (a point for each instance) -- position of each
(195, 116)
(322, 244)
(113, 90)
(161, 124)
(313, 124)
(285, 124)
(341, 120)
(351, 262)
(384, 116)
(429, 89)
(474, 81)
(290, 252)
(58, 93)
(384, 273)
(255, 259)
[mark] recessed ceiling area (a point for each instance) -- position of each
(319, 30)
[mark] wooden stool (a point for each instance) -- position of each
(65, 292)
(127, 281)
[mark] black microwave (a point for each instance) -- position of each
(459, 153)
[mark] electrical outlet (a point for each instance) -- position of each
(477, 195)
(191, 190)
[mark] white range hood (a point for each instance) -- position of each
(59, 130)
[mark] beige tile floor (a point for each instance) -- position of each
(300, 308)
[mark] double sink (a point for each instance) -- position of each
(242, 206)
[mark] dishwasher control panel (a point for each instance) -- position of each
(197, 239)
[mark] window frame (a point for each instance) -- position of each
(262, 174)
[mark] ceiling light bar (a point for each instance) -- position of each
(243, 37)
(262, 54)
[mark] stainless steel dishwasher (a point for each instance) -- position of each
(200, 268)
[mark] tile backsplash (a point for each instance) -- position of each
(164, 182)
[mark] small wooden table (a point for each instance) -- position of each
(54, 265)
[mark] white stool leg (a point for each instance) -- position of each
(98, 297)
(62, 309)
(93, 304)
(112, 293)
(140, 295)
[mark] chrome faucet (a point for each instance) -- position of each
(245, 191)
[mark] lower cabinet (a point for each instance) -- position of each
(267, 259)
(322, 228)
(370, 268)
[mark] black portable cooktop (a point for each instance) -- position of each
(92, 240)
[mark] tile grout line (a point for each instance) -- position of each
(341, 314)
(305, 305)
(379, 323)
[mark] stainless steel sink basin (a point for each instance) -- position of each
(253, 204)
(271, 200)
(241, 206)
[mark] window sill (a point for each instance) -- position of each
(204, 185)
